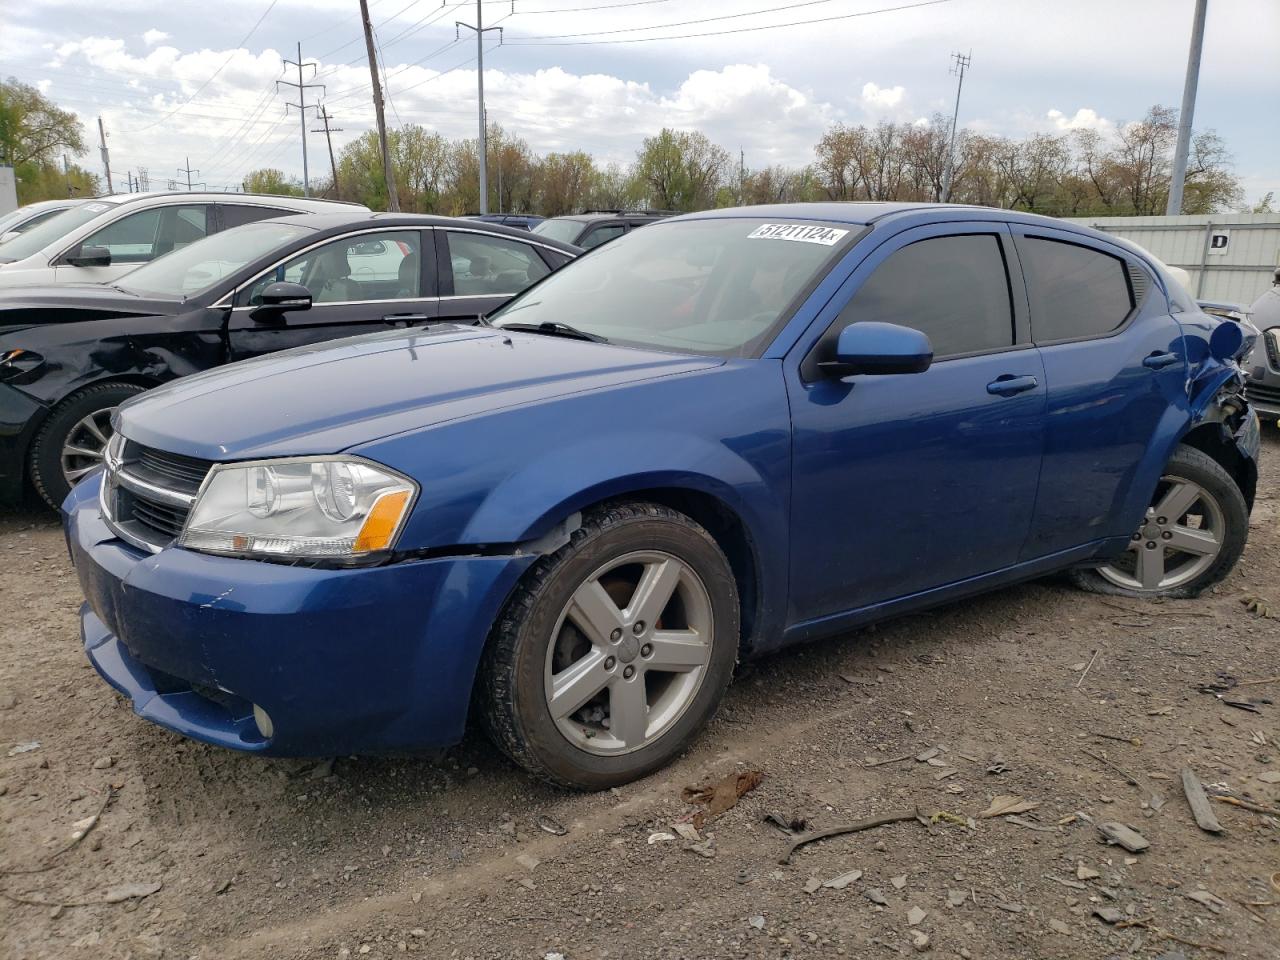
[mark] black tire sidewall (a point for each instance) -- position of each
(45, 459)
(561, 760)
(1198, 467)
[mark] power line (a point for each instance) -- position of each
(680, 23)
(719, 33)
(213, 76)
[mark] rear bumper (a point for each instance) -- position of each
(20, 417)
(369, 660)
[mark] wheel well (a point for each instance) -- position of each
(1214, 440)
(729, 532)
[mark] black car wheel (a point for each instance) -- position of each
(614, 651)
(1189, 539)
(73, 440)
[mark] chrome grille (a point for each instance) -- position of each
(148, 493)
(1271, 338)
(1264, 393)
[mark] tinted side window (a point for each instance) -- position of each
(367, 266)
(955, 289)
(147, 234)
(485, 265)
(238, 214)
(1074, 291)
(602, 235)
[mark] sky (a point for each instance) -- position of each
(186, 84)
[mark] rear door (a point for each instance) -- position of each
(1114, 362)
(360, 283)
(479, 272)
(601, 233)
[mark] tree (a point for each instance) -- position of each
(35, 134)
(271, 180)
(682, 170)
(565, 183)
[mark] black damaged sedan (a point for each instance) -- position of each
(70, 355)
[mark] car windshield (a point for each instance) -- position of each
(717, 287)
(51, 230)
(198, 266)
(562, 230)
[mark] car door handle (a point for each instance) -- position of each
(1009, 385)
(1158, 361)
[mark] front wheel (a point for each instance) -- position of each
(72, 442)
(614, 651)
(1190, 538)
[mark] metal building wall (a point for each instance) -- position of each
(1238, 273)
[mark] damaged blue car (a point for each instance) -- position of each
(725, 433)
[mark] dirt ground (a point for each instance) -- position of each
(1038, 692)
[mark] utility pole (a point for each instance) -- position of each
(393, 198)
(742, 175)
(325, 116)
(483, 146)
(106, 157)
(961, 64)
(302, 88)
(1180, 152)
(66, 172)
(188, 171)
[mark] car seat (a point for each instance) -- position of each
(407, 277)
(330, 278)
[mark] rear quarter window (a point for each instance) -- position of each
(1075, 292)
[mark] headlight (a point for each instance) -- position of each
(307, 508)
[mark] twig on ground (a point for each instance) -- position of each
(48, 861)
(1247, 805)
(1128, 777)
(1251, 683)
(1087, 668)
(881, 763)
(869, 824)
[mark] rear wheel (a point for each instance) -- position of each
(1191, 536)
(615, 650)
(72, 442)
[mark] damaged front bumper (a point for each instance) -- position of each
(335, 661)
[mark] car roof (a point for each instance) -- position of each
(336, 222)
(211, 196)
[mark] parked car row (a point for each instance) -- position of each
(70, 353)
(725, 433)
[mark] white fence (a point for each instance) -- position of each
(1231, 257)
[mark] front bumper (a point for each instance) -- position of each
(20, 417)
(365, 660)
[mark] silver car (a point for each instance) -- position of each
(1263, 364)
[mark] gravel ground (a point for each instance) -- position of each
(1038, 692)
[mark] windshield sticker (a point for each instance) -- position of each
(801, 232)
(96, 207)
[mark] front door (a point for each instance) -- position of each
(904, 483)
(138, 238)
(359, 283)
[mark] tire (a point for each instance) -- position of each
(621, 552)
(1218, 513)
(68, 422)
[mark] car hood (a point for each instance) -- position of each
(329, 398)
(25, 307)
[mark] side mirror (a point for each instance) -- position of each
(91, 257)
(282, 296)
(878, 348)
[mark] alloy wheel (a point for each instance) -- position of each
(1178, 539)
(86, 445)
(629, 652)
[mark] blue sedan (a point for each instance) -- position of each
(726, 433)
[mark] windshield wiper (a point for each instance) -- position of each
(556, 329)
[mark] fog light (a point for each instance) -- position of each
(263, 721)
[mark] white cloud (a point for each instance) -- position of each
(1083, 119)
(153, 36)
(878, 98)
